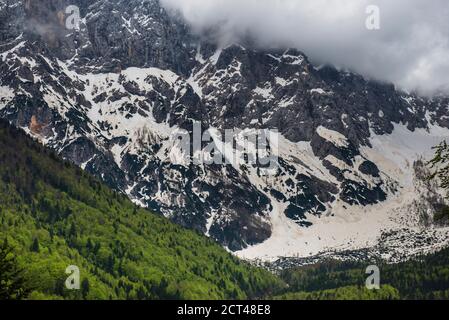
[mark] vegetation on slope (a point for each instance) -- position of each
(13, 285)
(425, 277)
(54, 215)
(344, 293)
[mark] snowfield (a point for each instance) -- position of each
(395, 223)
(132, 120)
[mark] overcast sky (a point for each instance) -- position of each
(411, 49)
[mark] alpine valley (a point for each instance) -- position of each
(113, 96)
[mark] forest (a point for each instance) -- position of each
(422, 278)
(53, 215)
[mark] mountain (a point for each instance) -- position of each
(423, 278)
(55, 215)
(115, 96)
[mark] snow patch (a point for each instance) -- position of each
(6, 95)
(346, 227)
(335, 137)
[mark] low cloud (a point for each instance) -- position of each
(411, 49)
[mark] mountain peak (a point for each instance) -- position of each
(116, 96)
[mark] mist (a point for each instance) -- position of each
(411, 48)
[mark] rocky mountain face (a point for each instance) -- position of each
(115, 95)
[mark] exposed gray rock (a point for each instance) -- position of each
(74, 91)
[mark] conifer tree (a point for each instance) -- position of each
(35, 246)
(13, 285)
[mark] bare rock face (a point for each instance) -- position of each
(111, 95)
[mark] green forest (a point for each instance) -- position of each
(53, 215)
(422, 278)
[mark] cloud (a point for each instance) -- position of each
(411, 49)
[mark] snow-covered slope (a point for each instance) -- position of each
(396, 224)
(116, 96)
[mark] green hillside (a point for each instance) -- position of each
(54, 215)
(425, 277)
